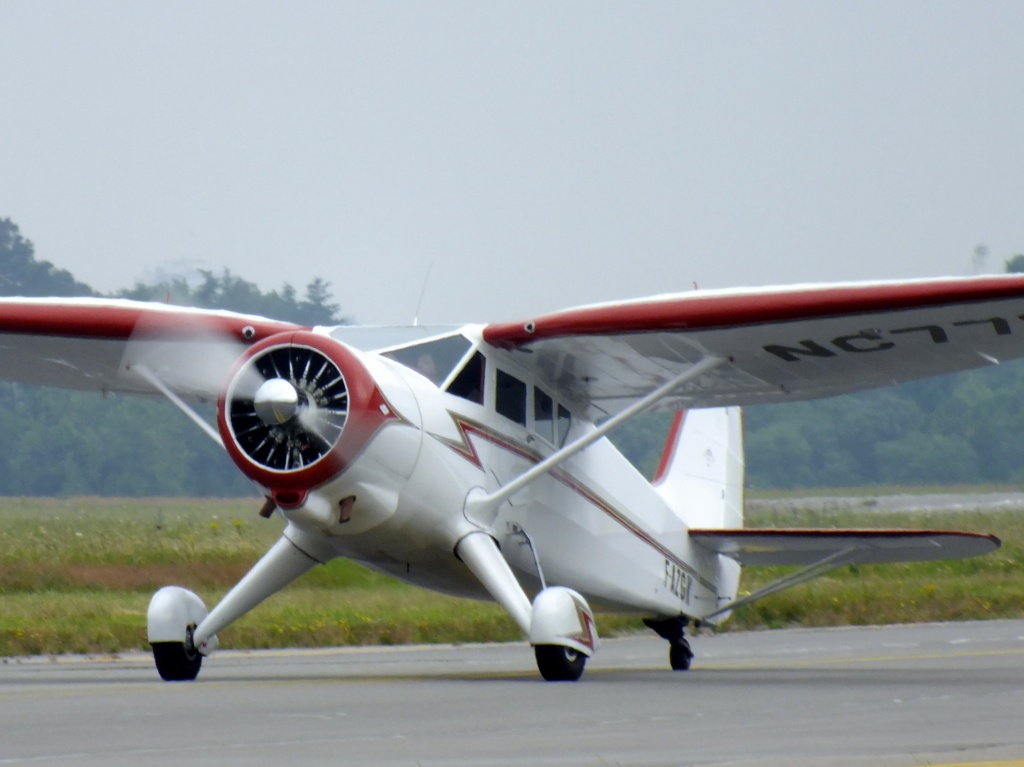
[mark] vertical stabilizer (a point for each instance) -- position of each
(701, 471)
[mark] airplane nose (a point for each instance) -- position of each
(276, 401)
(299, 409)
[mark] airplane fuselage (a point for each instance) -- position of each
(572, 526)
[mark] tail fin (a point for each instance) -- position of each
(701, 472)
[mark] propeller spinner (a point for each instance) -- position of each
(297, 410)
(276, 401)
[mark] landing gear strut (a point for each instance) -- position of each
(680, 656)
(181, 631)
(558, 623)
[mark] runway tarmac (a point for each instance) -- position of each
(939, 694)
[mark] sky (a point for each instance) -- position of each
(529, 156)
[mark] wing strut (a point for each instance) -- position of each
(178, 402)
(477, 504)
(811, 571)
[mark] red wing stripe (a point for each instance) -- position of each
(119, 320)
(721, 309)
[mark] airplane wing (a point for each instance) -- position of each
(781, 344)
(94, 344)
(809, 546)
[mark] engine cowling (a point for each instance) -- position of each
(298, 408)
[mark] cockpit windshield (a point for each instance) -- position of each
(435, 359)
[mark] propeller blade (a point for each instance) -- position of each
(191, 359)
(296, 411)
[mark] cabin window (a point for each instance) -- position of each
(564, 422)
(435, 359)
(544, 415)
(469, 383)
(510, 397)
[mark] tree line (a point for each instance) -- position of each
(962, 428)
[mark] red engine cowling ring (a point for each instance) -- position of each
(289, 458)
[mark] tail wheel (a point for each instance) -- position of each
(558, 663)
(177, 661)
(680, 656)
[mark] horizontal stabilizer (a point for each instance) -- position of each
(810, 546)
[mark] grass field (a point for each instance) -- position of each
(76, 575)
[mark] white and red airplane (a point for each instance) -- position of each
(473, 460)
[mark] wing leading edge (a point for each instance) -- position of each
(782, 344)
(92, 344)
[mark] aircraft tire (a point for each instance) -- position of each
(174, 663)
(557, 663)
(680, 656)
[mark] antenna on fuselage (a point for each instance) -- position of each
(423, 292)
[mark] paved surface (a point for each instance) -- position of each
(932, 694)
